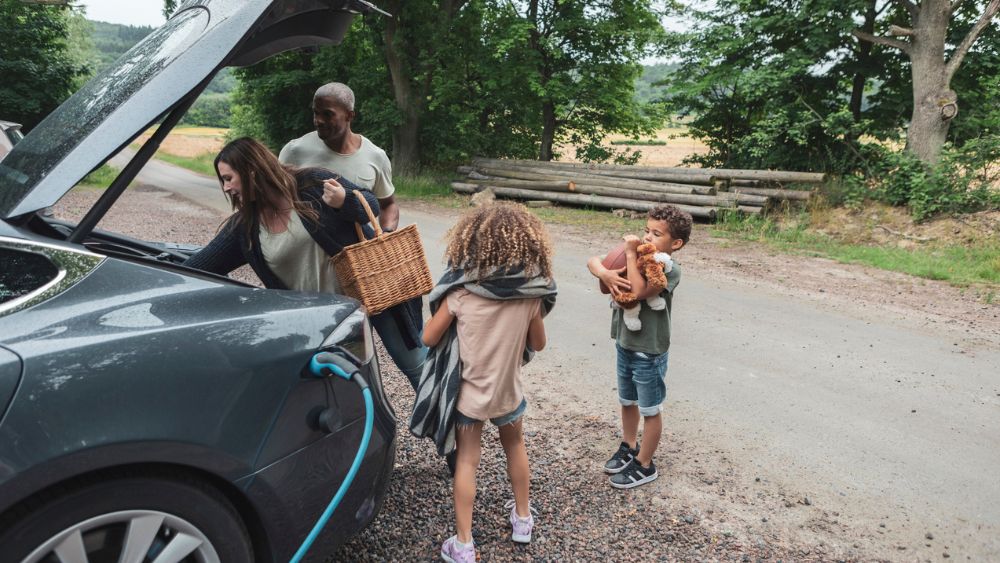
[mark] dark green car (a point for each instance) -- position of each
(150, 412)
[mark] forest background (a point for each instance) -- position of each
(893, 98)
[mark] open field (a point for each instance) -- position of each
(678, 146)
(190, 142)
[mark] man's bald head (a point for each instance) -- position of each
(338, 93)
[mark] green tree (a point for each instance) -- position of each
(442, 81)
(934, 62)
(774, 84)
(572, 65)
(273, 98)
(38, 70)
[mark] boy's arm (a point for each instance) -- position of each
(439, 323)
(611, 278)
(536, 333)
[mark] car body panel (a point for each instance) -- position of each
(10, 375)
(116, 359)
(319, 470)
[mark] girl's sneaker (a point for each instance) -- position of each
(453, 552)
(520, 527)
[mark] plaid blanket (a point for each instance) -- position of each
(437, 393)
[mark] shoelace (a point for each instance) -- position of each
(512, 503)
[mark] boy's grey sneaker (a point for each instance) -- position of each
(634, 475)
(621, 459)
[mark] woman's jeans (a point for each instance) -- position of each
(410, 362)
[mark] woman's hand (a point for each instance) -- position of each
(334, 194)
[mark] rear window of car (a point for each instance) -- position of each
(23, 272)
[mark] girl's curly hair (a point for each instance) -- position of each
(500, 236)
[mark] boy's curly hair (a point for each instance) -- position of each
(500, 236)
(679, 222)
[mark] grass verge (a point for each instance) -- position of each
(102, 177)
(959, 265)
(202, 164)
(423, 186)
(962, 265)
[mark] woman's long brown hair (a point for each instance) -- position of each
(267, 185)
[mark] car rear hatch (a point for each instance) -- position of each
(164, 71)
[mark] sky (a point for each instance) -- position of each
(128, 12)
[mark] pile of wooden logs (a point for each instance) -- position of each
(699, 191)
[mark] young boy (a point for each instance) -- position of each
(642, 354)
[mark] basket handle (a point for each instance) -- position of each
(371, 218)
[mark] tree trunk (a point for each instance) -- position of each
(864, 59)
(406, 58)
(405, 136)
(934, 103)
(548, 130)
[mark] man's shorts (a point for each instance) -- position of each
(641, 380)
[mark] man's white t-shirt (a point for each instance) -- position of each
(368, 167)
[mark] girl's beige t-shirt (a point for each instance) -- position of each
(491, 339)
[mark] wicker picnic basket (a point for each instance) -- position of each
(386, 270)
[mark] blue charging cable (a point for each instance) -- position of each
(326, 364)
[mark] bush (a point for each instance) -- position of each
(210, 110)
(963, 181)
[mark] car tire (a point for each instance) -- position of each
(144, 515)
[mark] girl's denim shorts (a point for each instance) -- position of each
(503, 420)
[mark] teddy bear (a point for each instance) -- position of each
(653, 267)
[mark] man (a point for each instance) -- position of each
(333, 145)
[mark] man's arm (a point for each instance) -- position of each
(389, 218)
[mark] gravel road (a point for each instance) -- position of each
(840, 468)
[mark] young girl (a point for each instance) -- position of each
(498, 288)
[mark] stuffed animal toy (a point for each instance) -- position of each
(653, 267)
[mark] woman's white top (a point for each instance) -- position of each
(298, 261)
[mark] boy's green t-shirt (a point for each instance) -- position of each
(654, 336)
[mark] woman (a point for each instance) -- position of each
(286, 224)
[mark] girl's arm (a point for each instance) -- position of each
(536, 333)
(439, 323)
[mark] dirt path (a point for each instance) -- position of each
(831, 405)
(815, 410)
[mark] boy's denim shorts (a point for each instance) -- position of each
(502, 420)
(641, 380)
